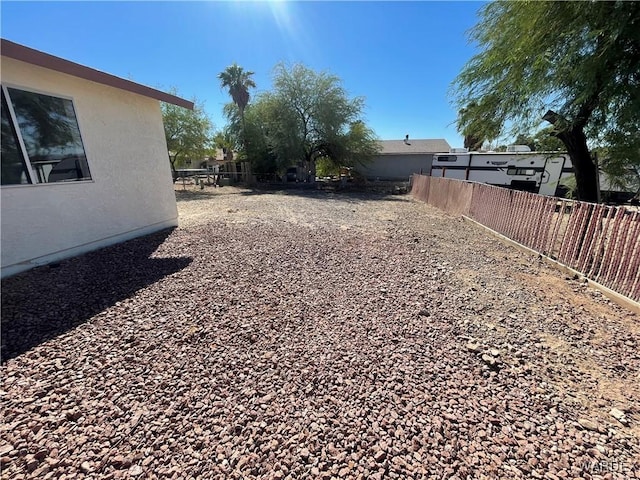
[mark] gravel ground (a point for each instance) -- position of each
(315, 335)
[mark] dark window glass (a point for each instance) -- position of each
(520, 171)
(51, 136)
(446, 158)
(14, 170)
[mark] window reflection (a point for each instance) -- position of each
(14, 170)
(51, 136)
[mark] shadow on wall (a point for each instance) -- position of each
(45, 302)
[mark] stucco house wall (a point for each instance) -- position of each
(130, 192)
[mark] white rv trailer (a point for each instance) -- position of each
(518, 168)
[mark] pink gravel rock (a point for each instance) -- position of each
(272, 341)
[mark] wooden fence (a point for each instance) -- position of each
(601, 242)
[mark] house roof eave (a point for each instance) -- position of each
(35, 57)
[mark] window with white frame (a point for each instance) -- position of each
(41, 140)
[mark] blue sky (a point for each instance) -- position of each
(400, 56)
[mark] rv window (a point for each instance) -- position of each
(446, 158)
(521, 171)
(44, 138)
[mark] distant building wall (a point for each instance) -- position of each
(397, 166)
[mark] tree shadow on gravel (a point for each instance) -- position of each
(347, 195)
(211, 194)
(45, 302)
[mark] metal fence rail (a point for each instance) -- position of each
(601, 242)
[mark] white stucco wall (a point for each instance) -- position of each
(131, 191)
(397, 167)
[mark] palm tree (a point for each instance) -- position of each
(238, 81)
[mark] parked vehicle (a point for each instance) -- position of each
(292, 174)
(518, 168)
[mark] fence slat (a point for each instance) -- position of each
(601, 242)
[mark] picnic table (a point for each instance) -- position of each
(198, 173)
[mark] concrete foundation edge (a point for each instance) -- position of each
(16, 268)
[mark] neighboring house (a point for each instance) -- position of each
(222, 159)
(84, 159)
(228, 166)
(399, 159)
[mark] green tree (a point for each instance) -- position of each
(575, 64)
(225, 141)
(326, 168)
(620, 166)
(309, 115)
(249, 137)
(238, 81)
(188, 133)
(260, 116)
(355, 148)
(477, 125)
(543, 140)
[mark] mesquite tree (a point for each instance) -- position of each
(574, 64)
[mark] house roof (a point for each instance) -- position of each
(414, 146)
(41, 59)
